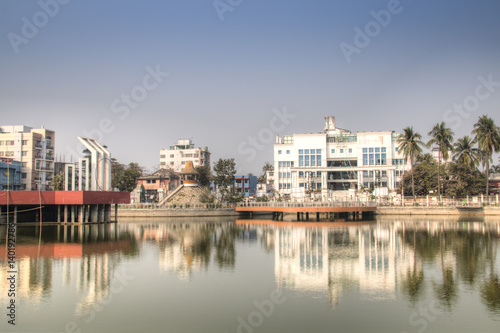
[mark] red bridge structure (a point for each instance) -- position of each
(60, 206)
(331, 210)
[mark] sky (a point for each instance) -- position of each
(231, 74)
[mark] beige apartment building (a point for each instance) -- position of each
(34, 148)
(176, 156)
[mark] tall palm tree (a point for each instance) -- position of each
(443, 137)
(410, 143)
(487, 136)
(465, 153)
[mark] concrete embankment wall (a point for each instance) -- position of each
(158, 212)
(437, 211)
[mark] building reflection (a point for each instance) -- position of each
(380, 259)
(83, 258)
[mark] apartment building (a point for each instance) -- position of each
(34, 149)
(176, 156)
(337, 160)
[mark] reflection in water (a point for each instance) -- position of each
(84, 256)
(384, 260)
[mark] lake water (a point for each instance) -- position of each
(396, 274)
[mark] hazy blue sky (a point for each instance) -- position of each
(75, 66)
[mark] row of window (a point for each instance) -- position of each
(370, 184)
(309, 157)
(285, 186)
(314, 186)
(280, 152)
(285, 175)
(342, 150)
(285, 164)
(303, 174)
(367, 173)
(374, 156)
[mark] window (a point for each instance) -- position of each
(2, 142)
(9, 153)
(171, 155)
(318, 173)
(288, 152)
(309, 157)
(350, 150)
(374, 156)
(25, 142)
(163, 156)
(24, 153)
(24, 164)
(365, 173)
(24, 175)
(333, 151)
(2, 153)
(384, 173)
(279, 152)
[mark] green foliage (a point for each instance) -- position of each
(225, 170)
(207, 197)
(465, 152)
(410, 143)
(487, 136)
(263, 198)
(142, 196)
(205, 174)
(464, 180)
(424, 174)
(125, 178)
(443, 137)
(57, 182)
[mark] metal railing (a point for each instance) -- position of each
(311, 204)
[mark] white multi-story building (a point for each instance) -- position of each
(176, 156)
(34, 148)
(337, 160)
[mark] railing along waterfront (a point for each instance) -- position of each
(177, 206)
(310, 204)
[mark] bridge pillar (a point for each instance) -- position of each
(317, 216)
(307, 216)
(298, 216)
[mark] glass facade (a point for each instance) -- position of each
(375, 156)
(309, 157)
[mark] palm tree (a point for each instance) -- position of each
(443, 137)
(465, 152)
(487, 136)
(410, 143)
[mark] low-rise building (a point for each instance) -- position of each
(158, 185)
(337, 160)
(176, 156)
(246, 185)
(10, 174)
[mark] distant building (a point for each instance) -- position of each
(176, 156)
(34, 149)
(337, 160)
(435, 155)
(158, 185)
(246, 185)
(10, 174)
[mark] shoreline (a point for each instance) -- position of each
(381, 211)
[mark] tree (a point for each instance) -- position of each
(224, 169)
(57, 182)
(424, 173)
(465, 152)
(126, 180)
(443, 137)
(204, 175)
(142, 194)
(487, 136)
(410, 143)
(464, 180)
(267, 167)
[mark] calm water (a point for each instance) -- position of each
(224, 275)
